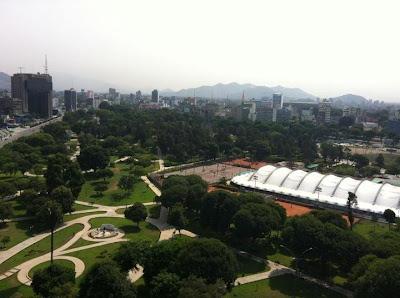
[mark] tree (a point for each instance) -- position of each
(131, 254)
(380, 160)
(100, 188)
(176, 217)
(360, 161)
(52, 280)
(105, 280)
(165, 284)
(48, 217)
(389, 216)
(57, 130)
(380, 279)
(218, 209)
(194, 196)
(64, 197)
(254, 220)
(104, 173)
(351, 202)
(136, 213)
(173, 195)
(93, 157)
(5, 240)
(330, 216)
(209, 259)
(126, 183)
(6, 211)
(197, 287)
(7, 189)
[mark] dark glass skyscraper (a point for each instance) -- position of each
(35, 91)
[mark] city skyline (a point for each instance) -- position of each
(328, 49)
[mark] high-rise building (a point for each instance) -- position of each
(70, 100)
(277, 101)
(35, 91)
(138, 95)
(154, 95)
(324, 111)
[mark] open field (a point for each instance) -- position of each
(140, 193)
(280, 287)
(17, 231)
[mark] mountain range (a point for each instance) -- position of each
(236, 91)
(349, 100)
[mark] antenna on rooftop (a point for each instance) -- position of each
(20, 69)
(45, 64)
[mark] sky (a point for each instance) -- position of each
(325, 47)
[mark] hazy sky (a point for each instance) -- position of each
(326, 47)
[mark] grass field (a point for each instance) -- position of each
(41, 247)
(69, 217)
(95, 255)
(18, 209)
(280, 287)
(248, 266)
(61, 262)
(367, 228)
(140, 193)
(79, 207)
(11, 287)
(17, 231)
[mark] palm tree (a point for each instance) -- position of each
(351, 202)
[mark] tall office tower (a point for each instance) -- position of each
(154, 95)
(35, 91)
(324, 111)
(112, 93)
(277, 101)
(70, 100)
(138, 95)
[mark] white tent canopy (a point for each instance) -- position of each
(329, 189)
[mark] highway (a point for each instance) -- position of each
(27, 131)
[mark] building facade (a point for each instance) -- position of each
(70, 100)
(35, 92)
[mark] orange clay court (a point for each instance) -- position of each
(243, 162)
(294, 209)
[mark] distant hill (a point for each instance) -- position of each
(5, 81)
(235, 91)
(350, 100)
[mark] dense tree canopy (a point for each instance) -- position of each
(105, 280)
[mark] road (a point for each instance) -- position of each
(27, 131)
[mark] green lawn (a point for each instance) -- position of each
(280, 287)
(79, 207)
(248, 266)
(281, 258)
(367, 228)
(61, 262)
(146, 231)
(41, 247)
(17, 231)
(69, 217)
(141, 192)
(18, 209)
(11, 287)
(95, 255)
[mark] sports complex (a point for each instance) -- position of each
(321, 190)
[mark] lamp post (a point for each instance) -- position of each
(51, 235)
(318, 189)
(255, 178)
